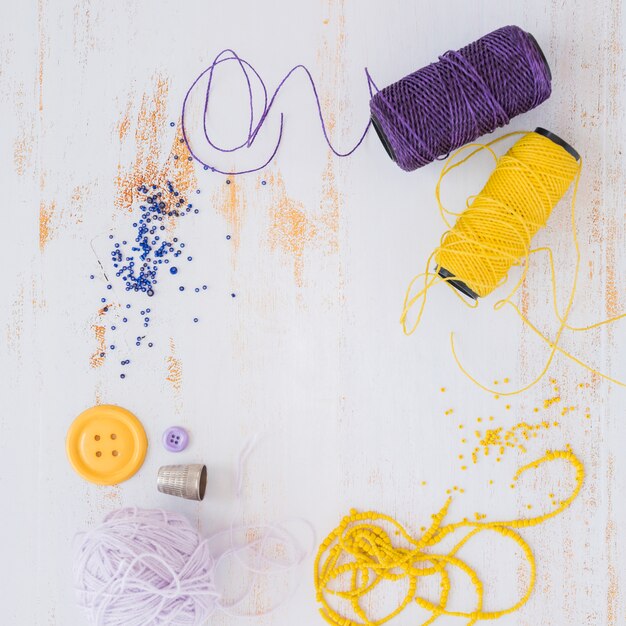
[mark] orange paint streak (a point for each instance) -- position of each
(331, 201)
(174, 368)
(611, 298)
(78, 199)
(42, 50)
(96, 360)
(230, 202)
(151, 164)
(22, 152)
(290, 231)
(123, 126)
(46, 228)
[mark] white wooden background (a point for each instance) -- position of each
(310, 353)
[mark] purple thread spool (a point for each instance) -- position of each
(466, 94)
(459, 285)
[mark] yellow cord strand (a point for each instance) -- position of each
(494, 233)
(363, 551)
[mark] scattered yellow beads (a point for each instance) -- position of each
(550, 401)
(502, 439)
(359, 555)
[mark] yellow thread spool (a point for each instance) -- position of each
(495, 231)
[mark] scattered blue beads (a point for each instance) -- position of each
(136, 261)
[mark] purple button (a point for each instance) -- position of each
(175, 439)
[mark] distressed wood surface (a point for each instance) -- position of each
(309, 354)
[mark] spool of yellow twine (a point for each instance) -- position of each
(495, 231)
(368, 549)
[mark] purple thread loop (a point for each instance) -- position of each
(254, 126)
(466, 94)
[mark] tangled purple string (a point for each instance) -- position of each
(256, 118)
(424, 116)
(464, 95)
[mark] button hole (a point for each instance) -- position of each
(113, 436)
(115, 453)
(97, 437)
(98, 453)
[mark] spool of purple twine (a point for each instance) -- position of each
(466, 94)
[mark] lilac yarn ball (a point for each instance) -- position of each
(145, 568)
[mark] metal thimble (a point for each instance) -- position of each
(184, 481)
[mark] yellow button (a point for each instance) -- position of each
(106, 444)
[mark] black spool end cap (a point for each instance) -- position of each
(457, 284)
(383, 138)
(558, 141)
(541, 54)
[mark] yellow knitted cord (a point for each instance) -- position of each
(362, 552)
(495, 230)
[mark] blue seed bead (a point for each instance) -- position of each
(112, 347)
(150, 345)
(197, 289)
(172, 124)
(102, 354)
(189, 258)
(113, 327)
(173, 270)
(128, 306)
(204, 287)
(227, 236)
(195, 319)
(232, 295)
(110, 236)
(263, 182)
(227, 181)
(181, 288)
(92, 277)
(125, 319)
(103, 299)
(109, 287)
(206, 167)
(122, 375)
